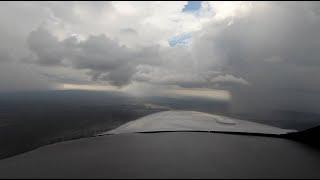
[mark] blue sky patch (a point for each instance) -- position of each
(192, 6)
(182, 39)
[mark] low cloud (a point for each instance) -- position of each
(229, 79)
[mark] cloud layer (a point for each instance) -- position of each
(266, 54)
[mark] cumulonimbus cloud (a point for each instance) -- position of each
(265, 53)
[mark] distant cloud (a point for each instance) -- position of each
(128, 31)
(229, 79)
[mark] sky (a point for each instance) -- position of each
(192, 6)
(260, 56)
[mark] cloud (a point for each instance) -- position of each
(17, 77)
(274, 48)
(46, 47)
(104, 58)
(5, 56)
(266, 54)
(229, 79)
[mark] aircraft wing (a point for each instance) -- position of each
(174, 144)
(170, 121)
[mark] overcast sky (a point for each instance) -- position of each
(258, 55)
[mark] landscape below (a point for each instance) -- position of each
(29, 120)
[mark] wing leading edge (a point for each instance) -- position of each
(169, 121)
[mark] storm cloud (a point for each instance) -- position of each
(266, 54)
(275, 48)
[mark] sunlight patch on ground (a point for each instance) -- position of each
(204, 93)
(215, 94)
(87, 87)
